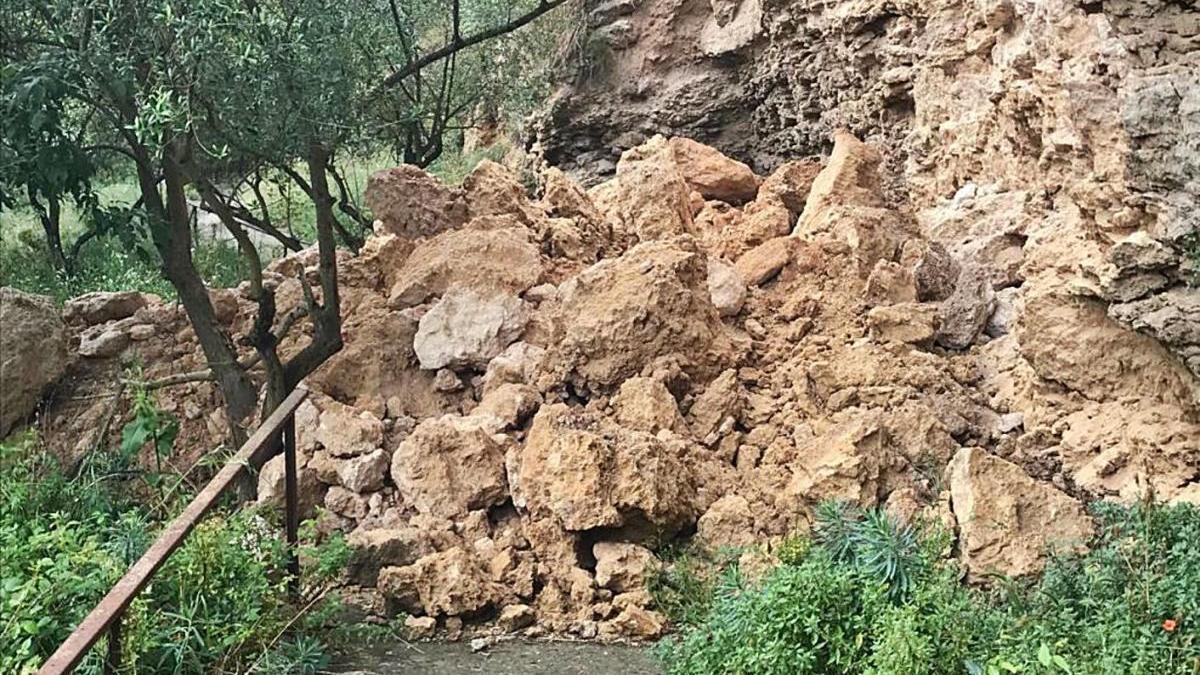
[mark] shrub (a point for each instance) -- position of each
(873, 598)
(219, 605)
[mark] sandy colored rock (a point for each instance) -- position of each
(450, 465)
(487, 262)
(374, 548)
(412, 203)
(465, 329)
(722, 400)
(1008, 521)
(34, 354)
(99, 307)
(645, 404)
(910, 322)
(620, 315)
(618, 478)
(890, 283)
(449, 583)
(728, 523)
(845, 463)
(310, 490)
(420, 627)
(515, 617)
(712, 174)
(649, 195)
(364, 473)
(761, 263)
(492, 190)
(348, 432)
(510, 403)
(622, 567)
(725, 287)
(850, 177)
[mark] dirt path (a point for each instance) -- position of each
(506, 658)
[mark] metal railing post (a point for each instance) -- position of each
(292, 513)
(112, 661)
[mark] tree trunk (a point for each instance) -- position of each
(51, 217)
(173, 240)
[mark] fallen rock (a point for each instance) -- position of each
(99, 307)
(649, 198)
(620, 315)
(371, 549)
(965, 313)
(1172, 318)
(589, 473)
(450, 465)
(364, 473)
(635, 622)
(850, 178)
(492, 190)
(622, 567)
(934, 269)
(712, 174)
(914, 323)
(789, 185)
(420, 627)
(890, 283)
(725, 287)
(467, 330)
(515, 617)
(645, 404)
(728, 523)
(103, 342)
(1008, 521)
(509, 403)
(348, 432)
(763, 262)
(412, 203)
(448, 583)
(272, 484)
(34, 354)
(489, 262)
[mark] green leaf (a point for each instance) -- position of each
(1043, 655)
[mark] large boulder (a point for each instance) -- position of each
(851, 177)
(620, 315)
(1008, 521)
(97, 307)
(464, 329)
(411, 203)
(712, 174)
(590, 473)
(649, 197)
(450, 465)
(492, 190)
(486, 261)
(622, 567)
(33, 353)
(450, 583)
(964, 314)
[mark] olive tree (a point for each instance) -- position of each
(202, 97)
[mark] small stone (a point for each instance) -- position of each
(446, 381)
(420, 627)
(515, 617)
(481, 643)
(454, 628)
(755, 329)
(725, 287)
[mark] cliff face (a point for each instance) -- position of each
(1057, 142)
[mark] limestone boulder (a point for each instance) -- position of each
(372, 549)
(712, 174)
(411, 203)
(789, 185)
(588, 473)
(272, 485)
(364, 473)
(761, 263)
(728, 523)
(452, 583)
(645, 404)
(450, 465)
(1008, 521)
(845, 463)
(621, 315)
(504, 260)
(34, 353)
(622, 567)
(492, 190)
(467, 330)
(850, 178)
(345, 431)
(649, 197)
(99, 307)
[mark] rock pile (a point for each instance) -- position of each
(536, 395)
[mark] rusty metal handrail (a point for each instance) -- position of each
(106, 616)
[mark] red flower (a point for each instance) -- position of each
(1169, 625)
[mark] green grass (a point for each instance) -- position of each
(837, 605)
